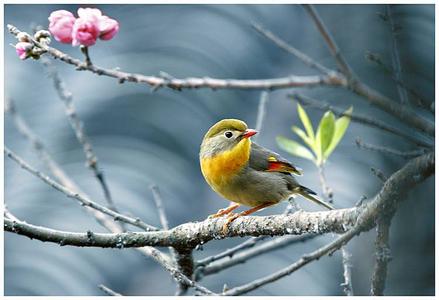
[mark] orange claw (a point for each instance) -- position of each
(224, 211)
(233, 217)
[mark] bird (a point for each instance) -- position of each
(246, 173)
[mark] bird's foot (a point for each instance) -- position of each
(219, 213)
(230, 218)
(224, 211)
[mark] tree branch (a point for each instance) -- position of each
(83, 200)
(67, 98)
(383, 257)
(108, 291)
(332, 45)
(242, 257)
(292, 50)
(190, 82)
(396, 61)
(53, 166)
(388, 150)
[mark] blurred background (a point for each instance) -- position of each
(143, 137)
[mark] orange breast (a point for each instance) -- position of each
(219, 169)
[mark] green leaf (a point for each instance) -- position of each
(303, 136)
(340, 128)
(305, 121)
(325, 132)
(294, 147)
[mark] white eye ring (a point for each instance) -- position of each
(228, 134)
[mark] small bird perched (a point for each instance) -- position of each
(246, 173)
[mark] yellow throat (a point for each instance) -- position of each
(219, 169)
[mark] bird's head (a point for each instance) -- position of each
(225, 135)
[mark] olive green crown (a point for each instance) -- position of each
(226, 124)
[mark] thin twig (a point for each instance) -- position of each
(388, 150)
(327, 191)
(251, 253)
(332, 45)
(84, 51)
(56, 170)
(378, 173)
(420, 100)
(230, 252)
(292, 50)
(77, 125)
(262, 108)
(9, 215)
(108, 291)
(358, 118)
(182, 257)
(83, 200)
(346, 256)
(347, 274)
(396, 61)
(159, 205)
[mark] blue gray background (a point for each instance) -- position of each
(143, 137)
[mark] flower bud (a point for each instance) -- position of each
(61, 25)
(85, 32)
(23, 49)
(108, 28)
(23, 37)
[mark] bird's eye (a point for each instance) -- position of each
(228, 134)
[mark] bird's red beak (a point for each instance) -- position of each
(248, 133)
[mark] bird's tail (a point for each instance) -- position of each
(311, 195)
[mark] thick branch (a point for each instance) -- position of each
(383, 257)
(191, 234)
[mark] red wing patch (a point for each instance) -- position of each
(279, 166)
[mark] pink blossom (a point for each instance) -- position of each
(89, 13)
(23, 49)
(61, 25)
(85, 31)
(108, 28)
